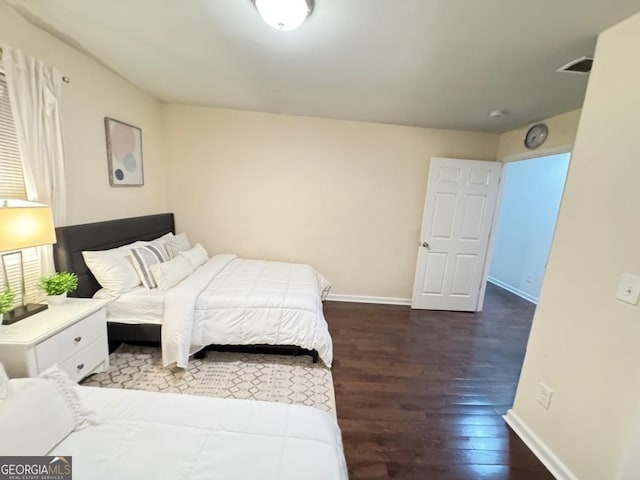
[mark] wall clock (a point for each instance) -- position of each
(536, 136)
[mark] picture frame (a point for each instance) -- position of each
(124, 153)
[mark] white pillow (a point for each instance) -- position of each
(196, 255)
(40, 412)
(113, 269)
(172, 272)
(164, 237)
(34, 419)
(177, 244)
(4, 383)
(69, 389)
(143, 258)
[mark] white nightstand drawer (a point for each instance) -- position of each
(87, 359)
(71, 340)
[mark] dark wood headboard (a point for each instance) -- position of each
(74, 239)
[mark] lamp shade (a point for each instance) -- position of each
(284, 14)
(24, 225)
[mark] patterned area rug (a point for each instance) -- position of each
(253, 376)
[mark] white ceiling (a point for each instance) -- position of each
(431, 63)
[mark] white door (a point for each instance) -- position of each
(458, 216)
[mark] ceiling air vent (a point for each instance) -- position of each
(580, 65)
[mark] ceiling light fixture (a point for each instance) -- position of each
(284, 14)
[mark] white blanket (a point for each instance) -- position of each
(233, 301)
(143, 435)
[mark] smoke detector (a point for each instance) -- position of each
(497, 113)
(580, 65)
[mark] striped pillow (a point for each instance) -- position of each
(142, 259)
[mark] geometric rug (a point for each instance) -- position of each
(252, 376)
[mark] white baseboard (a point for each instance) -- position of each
(338, 297)
(540, 449)
(514, 290)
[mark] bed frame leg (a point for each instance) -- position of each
(314, 356)
(201, 354)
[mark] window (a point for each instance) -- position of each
(12, 186)
(12, 178)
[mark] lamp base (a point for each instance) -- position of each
(20, 313)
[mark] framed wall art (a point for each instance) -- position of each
(124, 153)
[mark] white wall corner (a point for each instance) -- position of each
(540, 449)
(338, 297)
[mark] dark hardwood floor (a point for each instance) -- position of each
(420, 394)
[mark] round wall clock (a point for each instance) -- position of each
(536, 136)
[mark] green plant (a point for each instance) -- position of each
(6, 300)
(58, 283)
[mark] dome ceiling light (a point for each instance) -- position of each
(284, 14)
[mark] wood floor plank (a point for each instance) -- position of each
(419, 393)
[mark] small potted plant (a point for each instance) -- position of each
(6, 302)
(57, 285)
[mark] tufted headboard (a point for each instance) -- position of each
(74, 239)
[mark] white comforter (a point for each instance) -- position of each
(143, 435)
(233, 301)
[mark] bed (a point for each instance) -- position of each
(226, 301)
(128, 434)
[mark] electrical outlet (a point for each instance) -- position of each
(529, 277)
(544, 396)
(629, 289)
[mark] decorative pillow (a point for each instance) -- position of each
(196, 255)
(143, 258)
(171, 272)
(34, 419)
(162, 246)
(177, 244)
(164, 237)
(113, 269)
(68, 388)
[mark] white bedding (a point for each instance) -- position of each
(233, 301)
(142, 435)
(139, 305)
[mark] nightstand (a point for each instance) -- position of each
(73, 335)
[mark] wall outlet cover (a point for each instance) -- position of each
(544, 396)
(629, 289)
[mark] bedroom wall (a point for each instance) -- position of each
(584, 342)
(346, 197)
(562, 133)
(95, 92)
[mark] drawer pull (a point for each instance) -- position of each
(81, 366)
(77, 339)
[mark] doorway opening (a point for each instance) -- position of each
(526, 220)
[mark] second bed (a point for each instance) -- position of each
(225, 301)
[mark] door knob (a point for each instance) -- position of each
(425, 245)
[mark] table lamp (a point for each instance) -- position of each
(23, 225)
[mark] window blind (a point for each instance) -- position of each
(12, 186)
(11, 175)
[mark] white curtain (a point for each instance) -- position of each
(34, 92)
